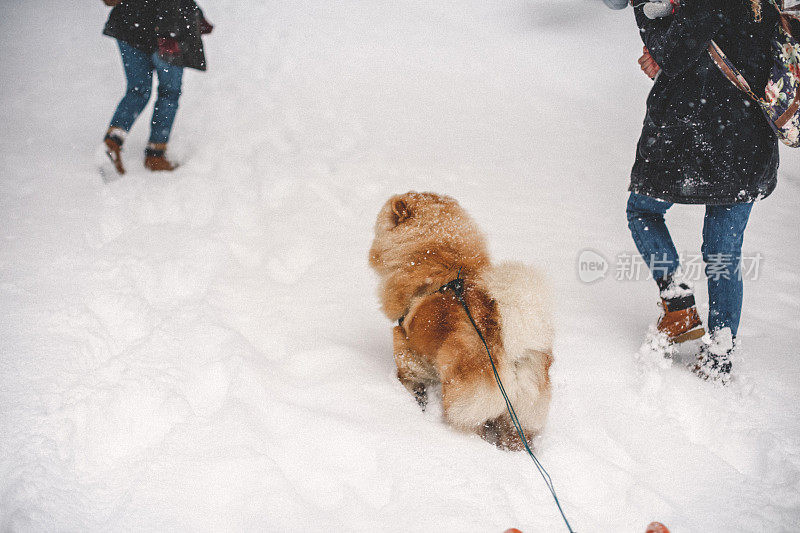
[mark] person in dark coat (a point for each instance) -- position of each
(703, 142)
(153, 35)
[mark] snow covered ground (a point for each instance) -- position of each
(203, 351)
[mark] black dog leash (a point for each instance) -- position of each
(457, 286)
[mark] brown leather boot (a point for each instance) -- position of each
(154, 158)
(680, 325)
(113, 142)
(679, 321)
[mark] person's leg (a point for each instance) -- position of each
(723, 233)
(139, 76)
(169, 92)
(652, 238)
(680, 321)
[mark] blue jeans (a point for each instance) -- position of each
(723, 232)
(139, 68)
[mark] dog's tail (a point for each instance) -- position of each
(525, 304)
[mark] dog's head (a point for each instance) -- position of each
(416, 211)
(422, 239)
(409, 220)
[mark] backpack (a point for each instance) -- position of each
(781, 101)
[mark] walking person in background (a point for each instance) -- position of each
(703, 143)
(153, 35)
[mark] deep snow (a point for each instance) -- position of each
(204, 351)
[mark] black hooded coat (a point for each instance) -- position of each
(703, 140)
(140, 23)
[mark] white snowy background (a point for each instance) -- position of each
(203, 350)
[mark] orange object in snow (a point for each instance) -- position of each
(657, 527)
(512, 530)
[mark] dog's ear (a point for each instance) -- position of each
(400, 210)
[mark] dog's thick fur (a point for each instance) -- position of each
(422, 241)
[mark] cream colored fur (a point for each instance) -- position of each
(524, 300)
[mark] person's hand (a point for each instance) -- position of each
(111, 3)
(205, 26)
(648, 64)
(167, 46)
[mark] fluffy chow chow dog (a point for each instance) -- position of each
(422, 242)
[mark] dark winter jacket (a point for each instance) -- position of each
(140, 23)
(704, 141)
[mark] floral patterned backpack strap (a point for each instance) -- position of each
(730, 71)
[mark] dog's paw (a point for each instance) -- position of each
(502, 433)
(421, 395)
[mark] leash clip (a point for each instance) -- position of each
(457, 286)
